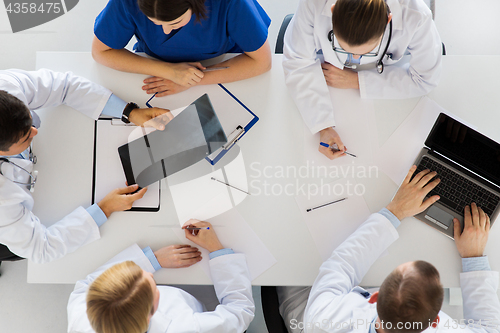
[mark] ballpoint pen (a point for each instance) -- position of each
(311, 209)
(196, 228)
(335, 148)
(230, 186)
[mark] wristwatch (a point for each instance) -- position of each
(126, 112)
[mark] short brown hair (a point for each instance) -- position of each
(414, 298)
(15, 120)
(169, 10)
(359, 21)
(120, 300)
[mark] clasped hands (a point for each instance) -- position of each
(340, 78)
(180, 77)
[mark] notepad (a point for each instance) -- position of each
(235, 233)
(203, 198)
(354, 123)
(331, 225)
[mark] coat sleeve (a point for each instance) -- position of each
(234, 290)
(303, 74)
(45, 88)
(480, 301)
(414, 78)
(23, 233)
(77, 305)
(347, 266)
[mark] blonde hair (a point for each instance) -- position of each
(120, 300)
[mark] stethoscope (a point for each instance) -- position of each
(380, 63)
(32, 175)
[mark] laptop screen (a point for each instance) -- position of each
(466, 147)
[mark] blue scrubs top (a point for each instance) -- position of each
(231, 26)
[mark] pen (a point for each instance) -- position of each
(195, 228)
(310, 209)
(334, 148)
(230, 186)
(211, 69)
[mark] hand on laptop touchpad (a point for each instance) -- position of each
(440, 217)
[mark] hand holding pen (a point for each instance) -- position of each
(335, 148)
(202, 234)
(330, 137)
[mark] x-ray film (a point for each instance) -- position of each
(192, 135)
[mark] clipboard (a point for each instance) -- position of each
(227, 107)
(108, 173)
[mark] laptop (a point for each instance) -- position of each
(468, 164)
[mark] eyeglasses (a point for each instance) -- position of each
(339, 49)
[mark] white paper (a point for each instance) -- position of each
(235, 233)
(331, 225)
(203, 198)
(109, 171)
(398, 154)
(355, 124)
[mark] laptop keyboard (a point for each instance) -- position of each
(456, 191)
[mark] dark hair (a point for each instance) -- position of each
(414, 298)
(169, 10)
(15, 120)
(359, 21)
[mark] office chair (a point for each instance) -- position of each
(270, 308)
(6, 255)
(281, 34)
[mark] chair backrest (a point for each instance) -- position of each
(281, 34)
(432, 6)
(6, 255)
(270, 308)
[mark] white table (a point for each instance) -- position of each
(468, 91)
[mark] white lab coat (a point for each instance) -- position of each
(20, 230)
(335, 297)
(414, 69)
(178, 311)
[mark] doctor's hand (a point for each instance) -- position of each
(206, 238)
(340, 78)
(161, 86)
(120, 199)
(472, 241)
(178, 256)
(151, 117)
(330, 136)
(409, 200)
(185, 74)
